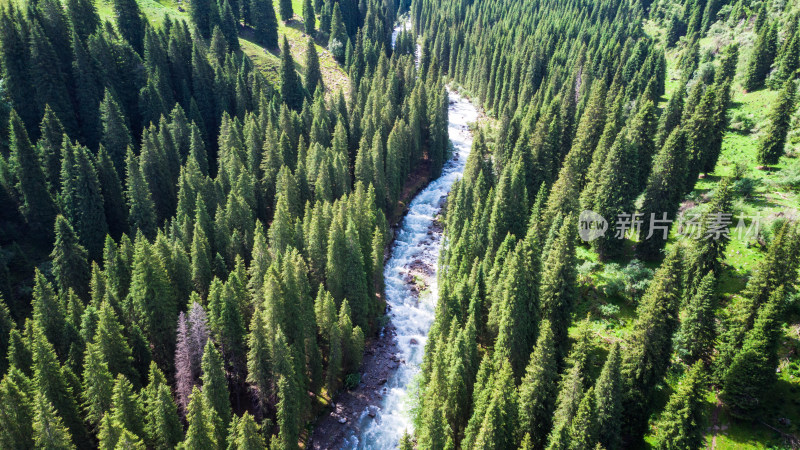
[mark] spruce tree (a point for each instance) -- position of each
(558, 291)
(70, 266)
(116, 135)
(152, 300)
(309, 19)
(312, 77)
(681, 423)
(650, 344)
(50, 381)
(215, 389)
(285, 9)
(142, 212)
(49, 314)
(116, 211)
(127, 408)
(338, 34)
(537, 391)
(113, 347)
(761, 59)
(608, 404)
(770, 148)
(752, 371)
(265, 22)
(200, 14)
(130, 23)
(200, 434)
(665, 187)
(570, 394)
(98, 385)
(36, 204)
(49, 149)
(291, 88)
(48, 427)
(694, 339)
(90, 222)
(17, 410)
(245, 434)
(162, 425)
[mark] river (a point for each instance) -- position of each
(411, 295)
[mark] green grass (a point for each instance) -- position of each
(266, 60)
(770, 199)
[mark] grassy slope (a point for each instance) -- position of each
(267, 60)
(769, 199)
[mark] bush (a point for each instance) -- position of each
(352, 381)
(608, 310)
(742, 123)
(629, 282)
(744, 187)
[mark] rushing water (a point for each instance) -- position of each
(414, 254)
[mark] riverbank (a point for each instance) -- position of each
(378, 412)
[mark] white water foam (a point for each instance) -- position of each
(412, 317)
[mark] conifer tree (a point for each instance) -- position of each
(184, 378)
(48, 427)
(116, 211)
(229, 25)
(36, 204)
(50, 381)
(558, 293)
(127, 409)
(90, 222)
(116, 135)
(567, 404)
(152, 300)
(200, 434)
(763, 56)
(309, 19)
(70, 266)
(694, 339)
(770, 148)
(312, 76)
(258, 362)
(499, 422)
(215, 389)
(245, 435)
(583, 429)
(752, 370)
(338, 34)
(49, 314)
(130, 23)
(98, 385)
(49, 148)
(162, 425)
(650, 344)
(265, 22)
(662, 194)
(608, 404)
(142, 212)
(537, 391)
(17, 410)
(681, 424)
(291, 88)
(200, 14)
(111, 343)
(285, 9)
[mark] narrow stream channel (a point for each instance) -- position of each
(414, 256)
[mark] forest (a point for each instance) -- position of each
(199, 197)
